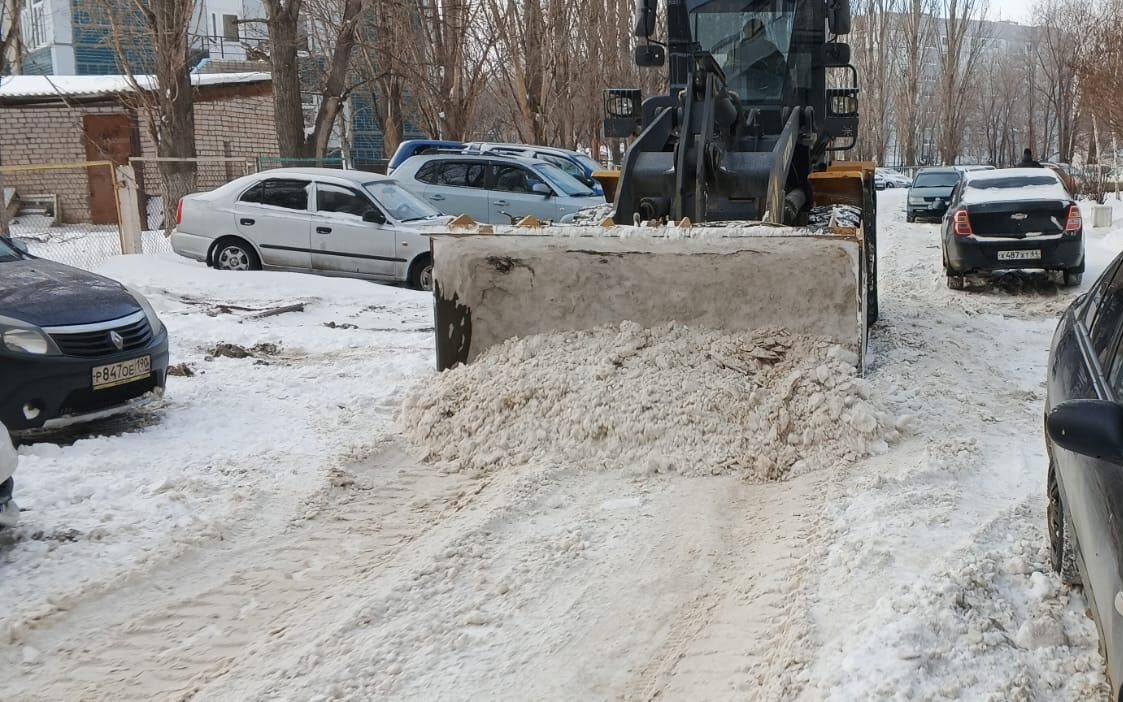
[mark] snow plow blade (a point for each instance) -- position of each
(492, 284)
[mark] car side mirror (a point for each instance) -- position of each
(374, 216)
(1091, 428)
(542, 189)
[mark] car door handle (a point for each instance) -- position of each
(323, 230)
(436, 197)
(500, 203)
(246, 221)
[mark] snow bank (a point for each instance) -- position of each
(667, 399)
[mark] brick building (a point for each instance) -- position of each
(71, 119)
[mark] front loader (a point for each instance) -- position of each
(728, 211)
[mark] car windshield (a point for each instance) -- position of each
(562, 180)
(1010, 182)
(935, 180)
(8, 251)
(399, 202)
(588, 163)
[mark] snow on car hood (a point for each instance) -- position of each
(7, 455)
(45, 293)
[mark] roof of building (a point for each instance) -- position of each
(93, 87)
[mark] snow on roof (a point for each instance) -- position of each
(104, 86)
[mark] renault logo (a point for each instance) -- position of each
(1019, 216)
(118, 340)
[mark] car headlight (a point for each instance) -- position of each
(153, 320)
(914, 200)
(19, 336)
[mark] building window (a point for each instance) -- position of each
(35, 24)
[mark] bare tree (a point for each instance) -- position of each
(963, 38)
(11, 43)
(913, 33)
(167, 106)
(334, 23)
(1100, 69)
(874, 56)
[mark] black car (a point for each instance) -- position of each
(72, 344)
(1012, 218)
(1084, 438)
(931, 189)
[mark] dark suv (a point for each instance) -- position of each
(72, 344)
(930, 192)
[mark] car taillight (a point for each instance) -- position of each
(179, 212)
(1074, 222)
(962, 223)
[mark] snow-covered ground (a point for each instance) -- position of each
(270, 532)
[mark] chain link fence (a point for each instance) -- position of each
(66, 212)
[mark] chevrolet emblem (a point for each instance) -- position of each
(1019, 216)
(118, 340)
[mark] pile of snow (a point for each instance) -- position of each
(671, 399)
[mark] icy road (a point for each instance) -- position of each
(269, 532)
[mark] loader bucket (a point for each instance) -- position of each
(738, 276)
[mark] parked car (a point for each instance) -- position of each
(1012, 218)
(1084, 442)
(319, 220)
(576, 164)
(73, 345)
(1066, 173)
(494, 188)
(931, 189)
(9, 511)
(888, 178)
(414, 147)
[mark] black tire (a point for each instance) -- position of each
(1062, 555)
(1073, 277)
(955, 281)
(909, 218)
(234, 254)
(421, 273)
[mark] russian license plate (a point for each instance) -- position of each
(1019, 255)
(122, 372)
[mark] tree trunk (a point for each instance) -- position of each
(283, 19)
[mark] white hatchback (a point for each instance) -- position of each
(9, 512)
(319, 220)
(494, 188)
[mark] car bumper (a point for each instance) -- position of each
(190, 245)
(46, 392)
(926, 211)
(969, 254)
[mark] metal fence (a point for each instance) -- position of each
(71, 212)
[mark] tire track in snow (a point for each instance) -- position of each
(172, 636)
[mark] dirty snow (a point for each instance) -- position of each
(268, 534)
(669, 399)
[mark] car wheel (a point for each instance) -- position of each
(421, 273)
(235, 255)
(1062, 557)
(909, 218)
(1073, 277)
(955, 281)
